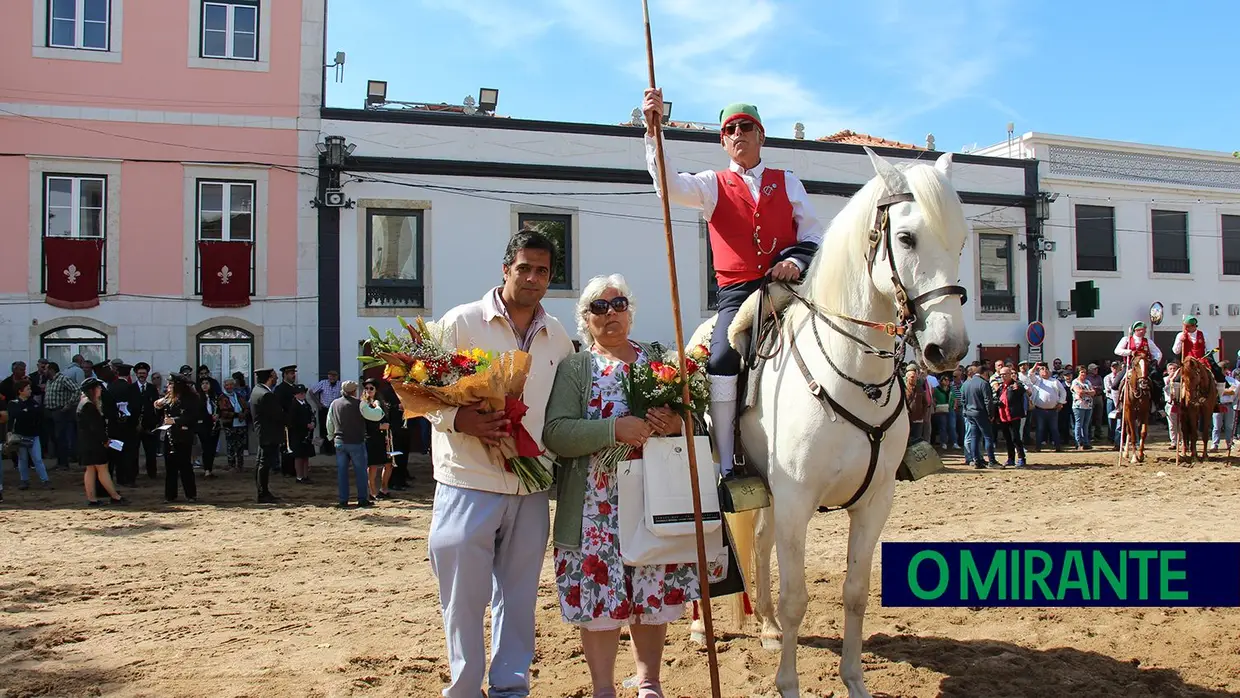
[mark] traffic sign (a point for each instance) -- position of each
(1035, 334)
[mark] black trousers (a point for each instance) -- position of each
(724, 360)
(1010, 431)
(267, 457)
(209, 439)
(150, 446)
(287, 466)
(177, 466)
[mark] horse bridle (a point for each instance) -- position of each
(911, 317)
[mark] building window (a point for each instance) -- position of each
(712, 283)
(1170, 230)
(394, 258)
(74, 206)
(1095, 238)
(995, 268)
(225, 351)
(559, 229)
(230, 30)
(62, 344)
(1231, 245)
(81, 24)
(225, 212)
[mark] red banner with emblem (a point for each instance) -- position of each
(225, 273)
(73, 268)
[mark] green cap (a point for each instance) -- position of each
(732, 112)
(1137, 325)
(1190, 320)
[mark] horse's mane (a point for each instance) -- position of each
(839, 266)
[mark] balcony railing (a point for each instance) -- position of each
(1096, 263)
(391, 296)
(993, 302)
(1170, 265)
(1231, 268)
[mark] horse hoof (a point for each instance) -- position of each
(772, 643)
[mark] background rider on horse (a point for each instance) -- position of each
(1191, 342)
(761, 223)
(1137, 343)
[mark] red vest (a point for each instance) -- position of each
(1135, 343)
(736, 221)
(1191, 347)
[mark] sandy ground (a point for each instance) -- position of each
(231, 599)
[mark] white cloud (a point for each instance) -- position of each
(917, 55)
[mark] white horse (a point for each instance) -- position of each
(888, 263)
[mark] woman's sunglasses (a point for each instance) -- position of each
(602, 305)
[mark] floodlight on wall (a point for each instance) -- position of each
(488, 99)
(376, 91)
(667, 113)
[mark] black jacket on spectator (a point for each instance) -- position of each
(120, 427)
(25, 417)
(145, 402)
(1015, 401)
(270, 420)
(92, 434)
(184, 414)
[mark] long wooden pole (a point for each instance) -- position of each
(703, 570)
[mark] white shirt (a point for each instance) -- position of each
(1228, 399)
(701, 191)
(1046, 394)
(1122, 349)
(1198, 338)
(932, 381)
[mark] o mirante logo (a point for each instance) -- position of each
(1061, 574)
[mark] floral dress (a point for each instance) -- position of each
(597, 590)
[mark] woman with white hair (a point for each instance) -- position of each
(587, 413)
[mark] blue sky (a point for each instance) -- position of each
(1143, 70)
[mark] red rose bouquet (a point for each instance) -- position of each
(657, 383)
(429, 374)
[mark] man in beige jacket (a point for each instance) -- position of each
(488, 536)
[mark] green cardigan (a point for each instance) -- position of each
(574, 438)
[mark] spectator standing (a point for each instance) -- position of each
(92, 442)
(944, 413)
(1224, 419)
(1082, 408)
(978, 403)
(1111, 386)
(347, 430)
(325, 392)
(1011, 398)
(26, 421)
(1047, 397)
(60, 400)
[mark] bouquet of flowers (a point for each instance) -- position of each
(429, 373)
(657, 383)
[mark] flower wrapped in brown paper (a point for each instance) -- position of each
(499, 387)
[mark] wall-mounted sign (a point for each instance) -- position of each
(1233, 309)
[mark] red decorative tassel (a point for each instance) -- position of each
(748, 607)
(695, 610)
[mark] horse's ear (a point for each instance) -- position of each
(944, 165)
(892, 178)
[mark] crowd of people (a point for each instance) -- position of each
(1034, 404)
(105, 417)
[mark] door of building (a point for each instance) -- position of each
(990, 353)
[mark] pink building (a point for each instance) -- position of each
(157, 161)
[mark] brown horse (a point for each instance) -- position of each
(1197, 400)
(1135, 406)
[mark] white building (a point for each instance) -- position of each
(432, 198)
(1145, 223)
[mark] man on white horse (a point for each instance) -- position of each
(761, 223)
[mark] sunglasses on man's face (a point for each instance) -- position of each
(602, 305)
(742, 126)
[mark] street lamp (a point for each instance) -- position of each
(335, 150)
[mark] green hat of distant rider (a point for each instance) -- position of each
(1138, 325)
(1190, 320)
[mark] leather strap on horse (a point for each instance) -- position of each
(875, 433)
